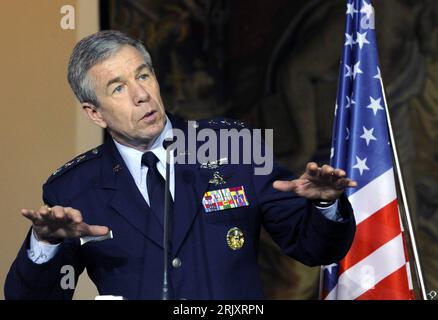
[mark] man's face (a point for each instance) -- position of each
(130, 104)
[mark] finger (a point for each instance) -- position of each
(327, 171)
(341, 183)
(73, 215)
(57, 213)
(30, 214)
(345, 183)
(312, 169)
(284, 185)
(45, 211)
(94, 230)
(339, 173)
(352, 183)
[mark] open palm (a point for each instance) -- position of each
(324, 183)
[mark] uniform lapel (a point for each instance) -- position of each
(127, 199)
(189, 190)
(190, 187)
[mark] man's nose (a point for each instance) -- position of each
(140, 95)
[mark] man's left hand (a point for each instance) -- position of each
(322, 183)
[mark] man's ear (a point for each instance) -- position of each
(94, 114)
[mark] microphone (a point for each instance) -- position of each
(167, 201)
(168, 142)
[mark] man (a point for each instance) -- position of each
(213, 251)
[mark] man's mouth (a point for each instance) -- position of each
(150, 116)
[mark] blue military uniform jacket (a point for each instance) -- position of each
(131, 264)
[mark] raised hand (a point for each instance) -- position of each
(324, 183)
(52, 225)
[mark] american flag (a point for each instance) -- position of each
(377, 266)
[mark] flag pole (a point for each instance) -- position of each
(406, 211)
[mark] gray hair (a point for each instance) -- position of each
(92, 50)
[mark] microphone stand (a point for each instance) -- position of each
(167, 201)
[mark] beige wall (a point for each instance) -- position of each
(42, 126)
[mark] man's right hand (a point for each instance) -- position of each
(52, 225)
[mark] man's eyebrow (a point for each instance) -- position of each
(141, 67)
(118, 79)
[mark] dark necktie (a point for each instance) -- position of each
(156, 185)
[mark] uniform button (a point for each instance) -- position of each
(176, 263)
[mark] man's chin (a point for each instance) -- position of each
(154, 131)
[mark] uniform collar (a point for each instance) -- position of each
(132, 157)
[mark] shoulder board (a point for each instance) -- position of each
(84, 157)
(221, 123)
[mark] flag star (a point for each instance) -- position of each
(378, 75)
(356, 70)
(361, 165)
(348, 133)
(349, 40)
(336, 108)
(375, 105)
(349, 103)
(332, 152)
(349, 73)
(368, 135)
(361, 38)
(350, 9)
(367, 9)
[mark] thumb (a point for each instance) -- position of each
(95, 231)
(284, 185)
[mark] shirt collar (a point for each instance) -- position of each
(132, 157)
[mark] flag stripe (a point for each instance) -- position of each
(384, 184)
(372, 233)
(367, 273)
(393, 287)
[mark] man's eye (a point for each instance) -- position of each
(118, 89)
(143, 76)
